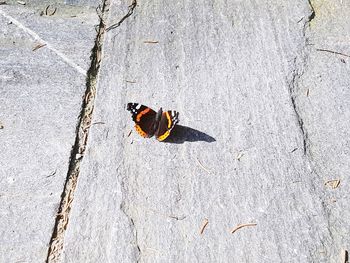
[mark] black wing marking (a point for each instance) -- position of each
(167, 122)
(143, 117)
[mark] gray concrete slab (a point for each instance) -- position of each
(234, 71)
(324, 104)
(40, 99)
(65, 32)
(262, 91)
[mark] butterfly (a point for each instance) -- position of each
(149, 123)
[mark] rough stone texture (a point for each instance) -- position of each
(70, 30)
(236, 71)
(326, 112)
(247, 73)
(40, 100)
(81, 4)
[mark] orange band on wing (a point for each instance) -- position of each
(138, 116)
(169, 119)
(140, 131)
(164, 136)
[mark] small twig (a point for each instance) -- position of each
(46, 12)
(294, 150)
(129, 13)
(177, 217)
(52, 174)
(202, 166)
(239, 156)
(21, 2)
(242, 225)
(89, 125)
(333, 183)
(46, 9)
(130, 81)
(205, 223)
(307, 92)
(150, 42)
(333, 52)
(129, 133)
(38, 46)
(98, 122)
(53, 12)
(301, 19)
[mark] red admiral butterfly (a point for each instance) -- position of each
(149, 123)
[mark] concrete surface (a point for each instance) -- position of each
(40, 98)
(262, 88)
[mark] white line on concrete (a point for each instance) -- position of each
(48, 45)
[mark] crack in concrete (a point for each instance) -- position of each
(56, 244)
(123, 208)
(57, 240)
(131, 220)
(292, 87)
(312, 14)
(136, 240)
(300, 64)
(297, 73)
(129, 13)
(309, 156)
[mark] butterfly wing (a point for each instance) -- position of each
(166, 124)
(144, 118)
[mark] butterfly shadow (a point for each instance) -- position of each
(181, 134)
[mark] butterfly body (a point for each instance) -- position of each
(149, 123)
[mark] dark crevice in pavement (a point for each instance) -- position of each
(129, 13)
(310, 160)
(300, 66)
(312, 14)
(296, 79)
(297, 73)
(292, 91)
(131, 220)
(136, 240)
(82, 131)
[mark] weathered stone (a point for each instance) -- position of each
(40, 99)
(262, 88)
(233, 70)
